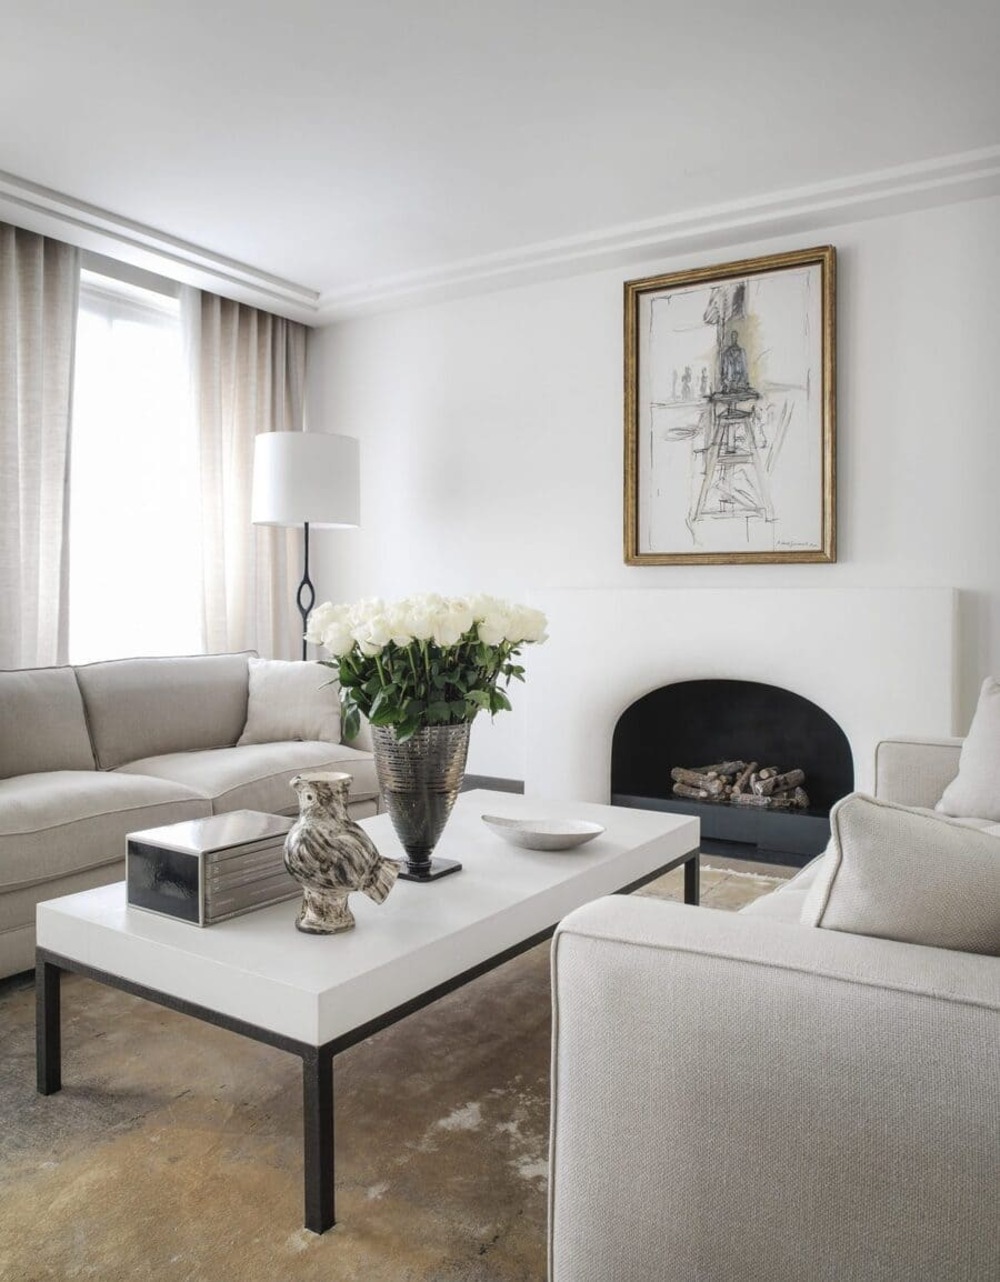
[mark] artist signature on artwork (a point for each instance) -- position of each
(793, 543)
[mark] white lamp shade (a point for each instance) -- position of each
(305, 476)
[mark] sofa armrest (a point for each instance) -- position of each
(915, 772)
(738, 1098)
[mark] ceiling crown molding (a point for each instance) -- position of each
(963, 176)
(796, 211)
(40, 209)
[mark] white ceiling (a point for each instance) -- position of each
(339, 145)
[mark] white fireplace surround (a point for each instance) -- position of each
(880, 661)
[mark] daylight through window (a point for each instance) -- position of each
(134, 518)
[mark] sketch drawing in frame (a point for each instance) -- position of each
(730, 413)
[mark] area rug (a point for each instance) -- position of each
(174, 1149)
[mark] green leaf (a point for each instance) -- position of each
(352, 724)
(499, 702)
(480, 698)
(384, 710)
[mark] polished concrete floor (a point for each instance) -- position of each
(174, 1149)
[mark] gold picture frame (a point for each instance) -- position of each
(730, 445)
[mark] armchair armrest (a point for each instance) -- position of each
(733, 1097)
(915, 772)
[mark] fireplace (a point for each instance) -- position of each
(698, 722)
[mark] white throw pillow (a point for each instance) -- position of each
(975, 793)
(912, 875)
(291, 700)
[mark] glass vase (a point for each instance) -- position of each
(419, 781)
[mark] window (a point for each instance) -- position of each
(135, 578)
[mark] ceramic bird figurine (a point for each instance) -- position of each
(329, 855)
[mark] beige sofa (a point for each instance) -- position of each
(91, 753)
(739, 1096)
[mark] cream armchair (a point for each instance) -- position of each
(740, 1098)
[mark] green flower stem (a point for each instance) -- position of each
(413, 669)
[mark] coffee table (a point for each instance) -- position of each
(315, 996)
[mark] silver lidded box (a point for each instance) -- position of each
(205, 870)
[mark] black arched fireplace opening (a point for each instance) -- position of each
(690, 724)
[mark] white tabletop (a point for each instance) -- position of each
(314, 988)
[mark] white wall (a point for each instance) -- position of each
(492, 438)
(822, 643)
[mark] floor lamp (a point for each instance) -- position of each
(305, 478)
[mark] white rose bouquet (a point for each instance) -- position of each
(426, 660)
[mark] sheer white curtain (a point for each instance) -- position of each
(249, 377)
(39, 288)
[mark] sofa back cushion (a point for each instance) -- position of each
(291, 700)
(146, 707)
(42, 726)
(907, 874)
(975, 794)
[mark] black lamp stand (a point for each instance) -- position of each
(306, 595)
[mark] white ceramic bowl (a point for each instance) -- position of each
(543, 834)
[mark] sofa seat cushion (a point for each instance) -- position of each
(257, 776)
(17, 908)
(980, 825)
(63, 821)
(785, 903)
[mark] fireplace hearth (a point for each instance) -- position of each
(735, 723)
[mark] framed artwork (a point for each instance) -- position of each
(730, 451)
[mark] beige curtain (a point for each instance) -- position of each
(39, 292)
(249, 377)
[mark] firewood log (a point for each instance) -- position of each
(725, 768)
(782, 783)
(685, 790)
(750, 799)
(694, 779)
(801, 798)
(743, 778)
(683, 774)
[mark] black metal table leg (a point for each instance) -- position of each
(692, 880)
(317, 1131)
(48, 1031)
